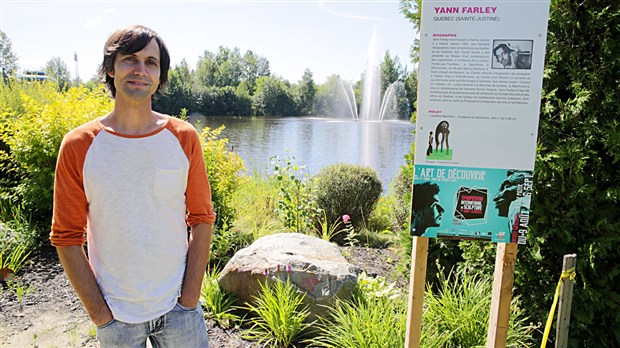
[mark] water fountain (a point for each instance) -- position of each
(371, 99)
(373, 106)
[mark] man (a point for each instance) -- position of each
(513, 199)
(127, 180)
(508, 57)
(426, 211)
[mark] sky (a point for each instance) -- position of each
(327, 37)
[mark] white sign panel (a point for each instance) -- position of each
(480, 83)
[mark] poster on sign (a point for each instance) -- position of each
(479, 92)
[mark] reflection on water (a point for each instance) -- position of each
(317, 142)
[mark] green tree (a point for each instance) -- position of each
(272, 98)
(8, 59)
(179, 91)
(391, 71)
(254, 66)
(332, 100)
(576, 201)
(305, 93)
(58, 69)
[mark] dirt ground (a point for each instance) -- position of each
(49, 314)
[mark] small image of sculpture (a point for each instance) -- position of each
(443, 130)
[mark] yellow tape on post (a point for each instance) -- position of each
(570, 273)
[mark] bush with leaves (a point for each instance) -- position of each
(576, 199)
(375, 317)
(280, 317)
(457, 314)
(223, 168)
(217, 304)
(347, 189)
(32, 138)
(295, 202)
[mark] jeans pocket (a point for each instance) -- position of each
(109, 323)
(186, 309)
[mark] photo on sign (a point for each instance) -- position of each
(440, 138)
(471, 203)
(512, 54)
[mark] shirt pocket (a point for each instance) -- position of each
(169, 183)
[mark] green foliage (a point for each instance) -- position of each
(295, 203)
(331, 98)
(8, 59)
(457, 315)
(217, 304)
(11, 261)
(281, 317)
(384, 217)
(347, 189)
(576, 200)
(223, 168)
(364, 324)
(256, 199)
(326, 231)
(369, 289)
(272, 98)
(32, 138)
(58, 69)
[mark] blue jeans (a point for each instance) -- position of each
(181, 327)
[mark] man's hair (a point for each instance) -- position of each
(504, 48)
(130, 40)
(423, 195)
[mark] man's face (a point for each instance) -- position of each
(136, 75)
(503, 56)
(508, 193)
(433, 214)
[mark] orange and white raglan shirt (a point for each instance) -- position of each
(132, 196)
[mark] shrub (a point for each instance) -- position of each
(281, 317)
(457, 315)
(33, 139)
(295, 203)
(223, 168)
(347, 189)
(218, 305)
(376, 318)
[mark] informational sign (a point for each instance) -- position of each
(480, 84)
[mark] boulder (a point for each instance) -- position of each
(314, 266)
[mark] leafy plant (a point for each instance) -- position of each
(280, 315)
(457, 315)
(218, 305)
(347, 189)
(363, 324)
(11, 263)
(295, 202)
(223, 168)
(32, 134)
(326, 231)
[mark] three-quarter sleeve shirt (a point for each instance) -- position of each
(131, 198)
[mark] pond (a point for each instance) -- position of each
(316, 142)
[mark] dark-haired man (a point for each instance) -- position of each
(132, 181)
(426, 210)
(508, 57)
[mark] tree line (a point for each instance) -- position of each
(231, 83)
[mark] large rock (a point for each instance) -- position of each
(316, 267)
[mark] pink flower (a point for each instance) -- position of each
(278, 268)
(266, 272)
(289, 268)
(346, 218)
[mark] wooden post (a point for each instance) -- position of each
(503, 280)
(417, 282)
(566, 300)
